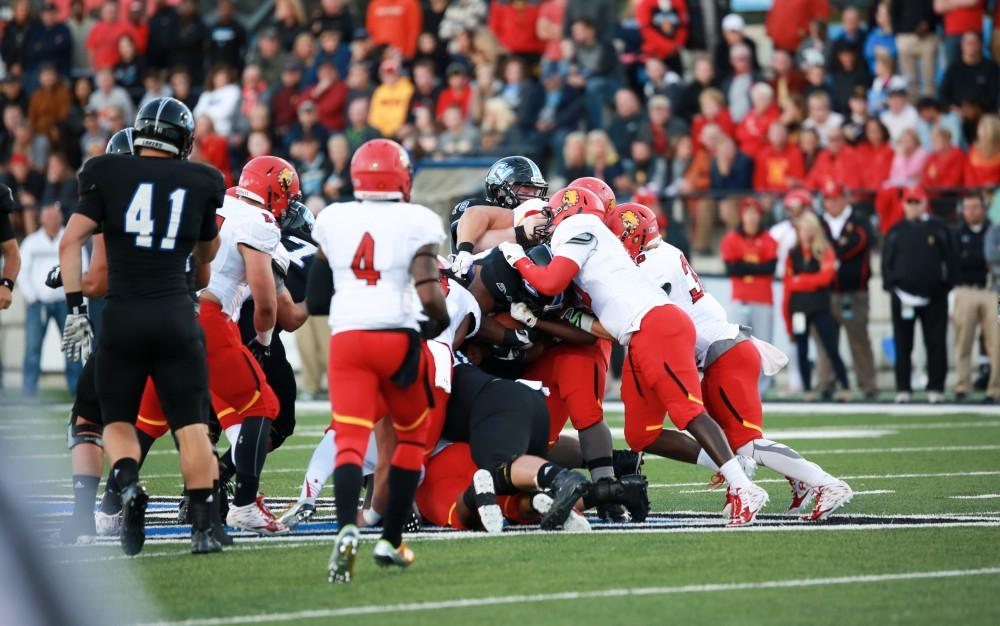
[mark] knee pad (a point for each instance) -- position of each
(251, 445)
(80, 431)
(409, 455)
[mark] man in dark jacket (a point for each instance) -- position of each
(914, 23)
(971, 78)
(163, 27)
(975, 303)
(852, 239)
(227, 39)
(50, 43)
(917, 272)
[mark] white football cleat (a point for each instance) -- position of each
(903, 397)
(829, 498)
(575, 523)
(340, 568)
(249, 517)
(486, 502)
(107, 525)
(742, 505)
(266, 512)
(387, 556)
(802, 495)
(301, 511)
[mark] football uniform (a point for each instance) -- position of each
(239, 387)
(370, 247)
(152, 212)
(661, 375)
(528, 208)
(729, 360)
(6, 208)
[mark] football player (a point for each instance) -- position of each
(8, 248)
(660, 337)
(731, 361)
(243, 400)
(379, 248)
(155, 211)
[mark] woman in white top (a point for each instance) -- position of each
(220, 101)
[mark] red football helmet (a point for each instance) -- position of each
(634, 224)
(274, 183)
(573, 201)
(381, 170)
(600, 189)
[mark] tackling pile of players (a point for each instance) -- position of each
(450, 381)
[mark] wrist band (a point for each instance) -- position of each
(520, 236)
(425, 281)
(465, 246)
(74, 302)
(264, 338)
(8, 283)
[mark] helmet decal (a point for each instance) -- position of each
(569, 199)
(285, 179)
(631, 222)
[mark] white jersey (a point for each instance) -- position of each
(615, 289)
(666, 264)
(239, 223)
(461, 304)
(370, 246)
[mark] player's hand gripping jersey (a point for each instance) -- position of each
(615, 289)
(370, 248)
(665, 265)
(239, 224)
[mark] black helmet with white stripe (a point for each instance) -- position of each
(120, 143)
(165, 124)
(514, 179)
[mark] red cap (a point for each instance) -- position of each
(750, 203)
(20, 158)
(832, 189)
(798, 196)
(914, 193)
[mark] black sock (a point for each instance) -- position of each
(346, 490)
(402, 487)
(111, 503)
(221, 500)
(126, 473)
(546, 474)
(145, 443)
(246, 489)
(250, 453)
(201, 504)
(84, 494)
(227, 468)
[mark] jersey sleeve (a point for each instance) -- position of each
(527, 209)
(91, 201)
(258, 234)
(575, 239)
(462, 303)
(217, 194)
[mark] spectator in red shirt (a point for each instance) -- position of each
(663, 26)
(286, 99)
(751, 134)
(778, 165)
(751, 256)
(102, 42)
(395, 23)
(514, 24)
(137, 23)
(330, 95)
(788, 80)
(211, 148)
(875, 155)
(982, 169)
(457, 93)
(549, 29)
(959, 17)
(788, 21)
(713, 111)
(839, 161)
(946, 166)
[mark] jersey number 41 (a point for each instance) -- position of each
(139, 217)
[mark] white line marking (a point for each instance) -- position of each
(985, 496)
(857, 477)
(582, 595)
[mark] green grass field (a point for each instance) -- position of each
(920, 544)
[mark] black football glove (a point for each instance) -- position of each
(54, 278)
(259, 350)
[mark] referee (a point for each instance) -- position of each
(916, 271)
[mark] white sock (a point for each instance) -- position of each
(784, 460)
(734, 474)
(320, 468)
(705, 460)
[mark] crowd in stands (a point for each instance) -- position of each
(678, 103)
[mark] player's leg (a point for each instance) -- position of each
(84, 438)
(280, 376)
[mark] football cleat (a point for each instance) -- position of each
(742, 505)
(182, 510)
(340, 568)
(250, 517)
(413, 521)
(266, 512)
(626, 462)
(204, 542)
(220, 534)
(301, 511)
(611, 512)
(76, 531)
(635, 496)
(385, 555)
(802, 494)
(749, 468)
(107, 525)
(567, 487)
(829, 498)
(132, 533)
(575, 523)
(486, 501)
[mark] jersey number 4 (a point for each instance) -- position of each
(139, 217)
(364, 261)
(695, 288)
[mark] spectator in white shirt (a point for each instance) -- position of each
(220, 101)
(822, 118)
(899, 114)
(107, 96)
(39, 254)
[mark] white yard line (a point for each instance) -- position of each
(857, 477)
(567, 596)
(985, 496)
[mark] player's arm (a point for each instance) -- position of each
(11, 260)
(476, 221)
(78, 230)
(202, 274)
(427, 280)
(204, 251)
(551, 279)
(291, 314)
(261, 282)
(95, 279)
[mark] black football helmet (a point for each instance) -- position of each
(540, 304)
(514, 179)
(165, 124)
(120, 143)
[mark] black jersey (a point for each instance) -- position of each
(502, 281)
(6, 208)
(456, 214)
(152, 212)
